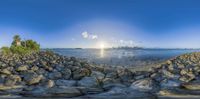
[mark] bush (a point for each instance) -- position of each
(19, 50)
(21, 47)
(5, 50)
(31, 45)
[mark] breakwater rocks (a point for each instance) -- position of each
(46, 74)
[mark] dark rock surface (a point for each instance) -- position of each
(46, 74)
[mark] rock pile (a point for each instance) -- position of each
(46, 74)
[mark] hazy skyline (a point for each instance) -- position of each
(89, 23)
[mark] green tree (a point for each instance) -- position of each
(26, 46)
(16, 39)
(31, 45)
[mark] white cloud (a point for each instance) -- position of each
(94, 36)
(86, 35)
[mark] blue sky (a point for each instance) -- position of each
(88, 23)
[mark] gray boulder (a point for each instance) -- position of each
(98, 75)
(66, 73)
(80, 73)
(5, 71)
(145, 85)
(32, 78)
(68, 83)
(67, 92)
(55, 75)
(170, 83)
(88, 82)
(12, 80)
(50, 83)
(22, 68)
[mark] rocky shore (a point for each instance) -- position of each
(49, 75)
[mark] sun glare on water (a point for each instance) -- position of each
(102, 45)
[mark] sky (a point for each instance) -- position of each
(93, 23)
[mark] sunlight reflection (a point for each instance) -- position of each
(102, 52)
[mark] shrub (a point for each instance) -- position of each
(31, 45)
(5, 50)
(19, 50)
(21, 47)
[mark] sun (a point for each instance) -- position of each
(101, 45)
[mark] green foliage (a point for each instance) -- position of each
(19, 50)
(31, 45)
(25, 47)
(5, 50)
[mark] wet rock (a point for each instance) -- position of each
(68, 83)
(88, 82)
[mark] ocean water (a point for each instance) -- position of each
(124, 57)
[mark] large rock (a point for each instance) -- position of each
(121, 93)
(170, 83)
(191, 85)
(55, 75)
(145, 85)
(32, 78)
(12, 80)
(22, 68)
(80, 73)
(67, 92)
(88, 82)
(66, 73)
(50, 83)
(125, 75)
(68, 83)
(5, 71)
(170, 75)
(98, 75)
(34, 68)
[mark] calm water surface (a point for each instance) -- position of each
(124, 57)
